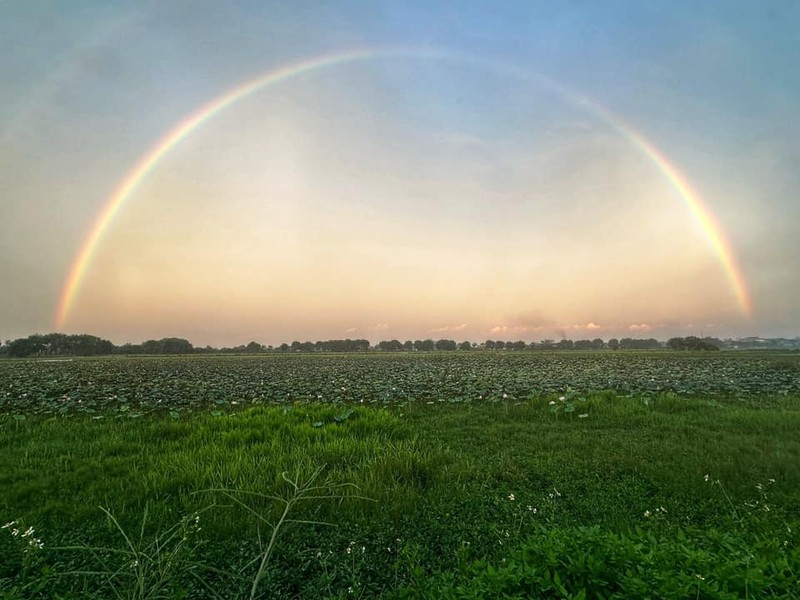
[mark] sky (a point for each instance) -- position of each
(278, 171)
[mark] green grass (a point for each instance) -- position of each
(450, 499)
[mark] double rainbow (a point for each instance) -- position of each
(701, 213)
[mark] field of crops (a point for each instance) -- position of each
(441, 475)
(135, 386)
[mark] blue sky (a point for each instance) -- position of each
(446, 149)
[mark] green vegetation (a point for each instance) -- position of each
(62, 345)
(401, 476)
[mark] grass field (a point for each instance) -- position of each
(474, 475)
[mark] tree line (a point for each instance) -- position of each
(59, 344)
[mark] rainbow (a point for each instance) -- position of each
(701, 213)
(204, 113)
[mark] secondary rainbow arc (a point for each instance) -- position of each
(692, 200)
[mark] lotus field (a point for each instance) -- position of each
(471, 474)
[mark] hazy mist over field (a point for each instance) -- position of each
(416, 179)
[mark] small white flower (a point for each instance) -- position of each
(561, 398)
(8, 525)
(552, 402)
(532, 509)
(647, 514)
(511, 497)
(707, 477)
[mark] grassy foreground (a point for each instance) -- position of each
(659, 496)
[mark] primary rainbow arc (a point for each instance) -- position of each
(692, 200)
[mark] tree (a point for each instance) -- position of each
(24, 347)
(424, 345)
(445, 345)
(390, 346)
(691, 343)
(254, 347)
(465, 346)
(613, 344)
(59, 344)
(639, 344)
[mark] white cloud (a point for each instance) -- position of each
(461, 327)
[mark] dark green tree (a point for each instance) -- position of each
(445, 345)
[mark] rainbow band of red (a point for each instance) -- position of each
(703, 216)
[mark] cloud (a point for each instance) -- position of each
(461, 327)
(511, 329)
(379, 327)
(640, 327)
(592, 326)
(351, 330)
(532, 320)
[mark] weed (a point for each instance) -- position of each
(301, 489)
(145, 567)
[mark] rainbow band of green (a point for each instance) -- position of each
(701, 213)
(148, 162)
